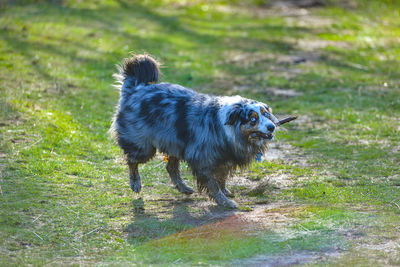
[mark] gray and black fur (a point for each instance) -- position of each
(214, 135)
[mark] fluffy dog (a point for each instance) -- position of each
(213, 134)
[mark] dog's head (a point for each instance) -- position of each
(255, 120)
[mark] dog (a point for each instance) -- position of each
(213, 134)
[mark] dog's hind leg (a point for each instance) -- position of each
(136, 154)
(134, 177)
(174, 173)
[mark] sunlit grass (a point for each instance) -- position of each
(64, 189)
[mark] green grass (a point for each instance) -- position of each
(227, 248)
(64, 194)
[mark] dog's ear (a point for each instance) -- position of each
(267, 107)
(234, 114)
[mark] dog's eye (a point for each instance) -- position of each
(253, 119)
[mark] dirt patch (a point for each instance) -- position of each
(390, 246)
(287, 8)
(290, 66)
(272, 216)
(298, 3)
(232, 226)
(283, 92)
(275, 181)
(309, 21)
(270, 91)
(287, 65)
(278, 151)
(286, 152)
(298, 58)
(312, 45)
(246, 59)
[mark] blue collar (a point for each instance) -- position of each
(258, 157)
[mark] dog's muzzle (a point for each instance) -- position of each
(262, 136)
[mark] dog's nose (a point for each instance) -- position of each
(270, 127)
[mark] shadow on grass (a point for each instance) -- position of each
(167, 217)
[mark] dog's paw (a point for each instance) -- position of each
(228, 193)
(184, 189)
(136, 186)
(230, 204)
(223, 201)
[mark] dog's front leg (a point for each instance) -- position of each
(174, 173)
(228, 193)
(222, 184)
(134, 177)
(215, 192)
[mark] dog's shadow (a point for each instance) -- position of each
(150, 222)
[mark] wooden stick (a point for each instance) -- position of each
(286, 120)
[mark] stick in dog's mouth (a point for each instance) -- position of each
(265, 136)
(286, 120)
(269, 136)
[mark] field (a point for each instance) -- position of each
(327, 192)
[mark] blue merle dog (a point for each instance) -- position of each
(213, 134)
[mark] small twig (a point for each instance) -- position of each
(357, 66)
(30, 145)
(397, 205)
(52, 261)
(308, 230)
(77, 213)
(178, 260)
(37, 235)
(37, 218)
(89, 232)
(286, 120)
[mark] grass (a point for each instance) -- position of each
(64, 194)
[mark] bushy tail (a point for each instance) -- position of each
(140, 69)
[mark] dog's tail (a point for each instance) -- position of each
(139, 69)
